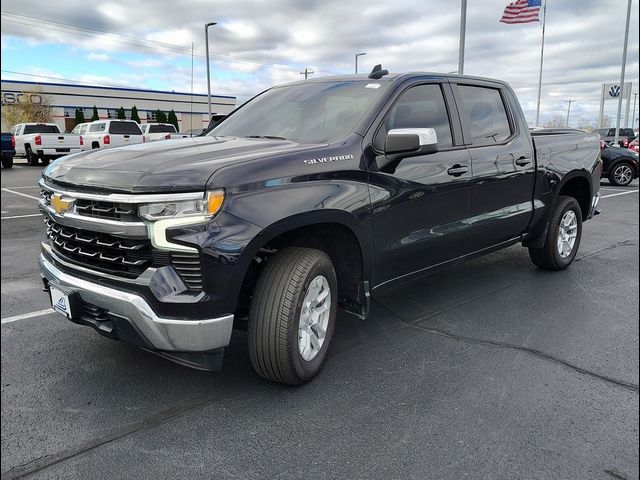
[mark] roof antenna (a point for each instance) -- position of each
(377, 72)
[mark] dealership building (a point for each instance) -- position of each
(191, 109)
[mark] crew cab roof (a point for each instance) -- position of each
(396, 78)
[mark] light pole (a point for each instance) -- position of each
(358, 55)
(570, 101)
(206, 43)
(633, 117)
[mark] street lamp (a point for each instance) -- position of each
(206, 42)
(570, 101)
(358, 55)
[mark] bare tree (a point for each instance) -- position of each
(30, 106)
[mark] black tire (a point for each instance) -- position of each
(32, 158)
(45, 160)
(7, 162)
(616, 172)
(548, 257)
(275, 313)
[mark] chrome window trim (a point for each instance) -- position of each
(124, 197)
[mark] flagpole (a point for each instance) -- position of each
(463, 28)
(624, 62)
(544, 22)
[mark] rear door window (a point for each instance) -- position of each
(97, 127)
(484, 115)
(124, 128)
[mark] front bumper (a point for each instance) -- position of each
(158, 333)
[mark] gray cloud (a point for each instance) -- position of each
(583, 48)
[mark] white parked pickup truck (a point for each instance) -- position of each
(160, 131)
(111, 133)
(43, 142)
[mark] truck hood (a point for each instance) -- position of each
(165, 166)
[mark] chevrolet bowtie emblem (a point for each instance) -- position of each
(59, 204)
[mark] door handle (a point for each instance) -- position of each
(523, 161)
(457, 170)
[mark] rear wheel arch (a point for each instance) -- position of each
(577, 185)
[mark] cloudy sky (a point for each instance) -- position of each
(256, 44)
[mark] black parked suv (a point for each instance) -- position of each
(619, 165)
(312, 196)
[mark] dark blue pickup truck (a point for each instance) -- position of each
(310, 197)
(8, 150)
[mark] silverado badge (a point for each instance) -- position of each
(59, 204)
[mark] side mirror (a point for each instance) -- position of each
(408, 142)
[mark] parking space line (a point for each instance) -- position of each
(24, 316)
(20, 193)
(619, 193)
(617, 189)
(22, 216)
(23, 187)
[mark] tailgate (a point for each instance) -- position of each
(125, 139)
(59, 140)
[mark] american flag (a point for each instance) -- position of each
(522, 11)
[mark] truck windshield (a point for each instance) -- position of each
(304, 113)
(162, 128)
(41, 129)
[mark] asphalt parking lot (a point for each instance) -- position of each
(492, 369)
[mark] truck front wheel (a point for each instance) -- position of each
(563, 236)
(292, 315)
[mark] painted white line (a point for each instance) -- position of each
(23, 187)
(24, 316)
(621, 193)
(22, 216)
(617, 189)
(20, 193)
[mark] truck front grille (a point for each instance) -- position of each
(120, 256)
(112, 211)
(100, 251)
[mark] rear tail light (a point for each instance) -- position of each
(602, 144)
(625, 143)
(13, 141)
(37, 140)
(167, 136)
(106, 140)
(81, 140)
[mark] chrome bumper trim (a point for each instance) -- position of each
(163, 333)
(96, 224)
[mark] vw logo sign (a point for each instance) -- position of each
(614, 91)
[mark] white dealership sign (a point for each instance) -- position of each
(612, 91)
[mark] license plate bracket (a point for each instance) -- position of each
(62, 301)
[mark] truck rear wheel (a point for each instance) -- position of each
(46, 160)
(7, 162)
(292, 315)
(32, 158)
(563, 236)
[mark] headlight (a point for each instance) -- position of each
(207, 206)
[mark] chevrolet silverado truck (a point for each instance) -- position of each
(43, 142)
(309, 198)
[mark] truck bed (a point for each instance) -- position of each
(565, 148)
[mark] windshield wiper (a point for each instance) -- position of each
(269, 137)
